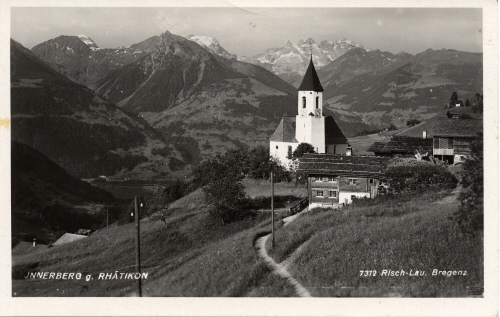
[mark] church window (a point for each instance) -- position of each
(276, 147)
(290, 150)
(303, 102)
(317, 102)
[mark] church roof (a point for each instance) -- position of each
(285, 132)
(311, 79)
(333, 134)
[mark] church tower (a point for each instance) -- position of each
(310, 122)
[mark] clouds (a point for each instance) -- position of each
(247, 31)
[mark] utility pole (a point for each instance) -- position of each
(137, 247)
(272, 209)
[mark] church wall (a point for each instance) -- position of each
(282, 151)
(338, 149)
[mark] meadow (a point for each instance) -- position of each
(330, 251)
(325, 250)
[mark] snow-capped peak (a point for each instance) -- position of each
(211, 44)
(88, 41)
(204, 40)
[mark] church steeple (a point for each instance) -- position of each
(311, 82)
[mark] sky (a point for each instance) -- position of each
(249, 31)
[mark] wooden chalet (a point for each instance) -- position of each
(334, 180)
(401, 146)
(453, 136)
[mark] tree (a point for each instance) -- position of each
(470, 215)
(412, 122)
(467, 102)
(453, 99)
(392, 127)
(225, 196)
(224, 192)
(301, 149)
(478, 103)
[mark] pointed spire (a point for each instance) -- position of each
(311, 79)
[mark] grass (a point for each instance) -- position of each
(191, 256)
(411, 234)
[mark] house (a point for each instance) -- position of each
(402, 146)
(334, 180)
(68, 238)
(453, 136)
(310, 125)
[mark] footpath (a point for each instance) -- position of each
(276, 268)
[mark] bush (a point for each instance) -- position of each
(470, 216)
(416, 177)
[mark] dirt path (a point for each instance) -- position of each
(276, 268)
(452, 198)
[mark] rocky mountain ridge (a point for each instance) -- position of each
(71, 125)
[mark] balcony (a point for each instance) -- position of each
(443, 151)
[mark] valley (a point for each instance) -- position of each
(184, 125)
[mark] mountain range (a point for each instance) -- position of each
(71, 125)
(192, 94)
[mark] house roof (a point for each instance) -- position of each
(334, 164)
(311, 79)
(285, 132)
(333, 134)
(457, 127)
(461, 111)
(68, 238)
(402, 145)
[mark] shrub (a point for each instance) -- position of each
(412, 177)
(470, 216)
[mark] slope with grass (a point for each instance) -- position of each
(412, 233)
(188, 256)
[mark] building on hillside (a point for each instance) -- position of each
(68, 238)
(310, 124)
(334, 180)
(402, 146)
(453, 136)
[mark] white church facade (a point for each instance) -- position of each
(309, 125)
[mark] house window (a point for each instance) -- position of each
(290, 150)
(319, 193)
(313, 179)
(333, 194)
(324, 179)
(317, 102)
(352, 181)
(371, 180)
(332, 179)
(304, 102)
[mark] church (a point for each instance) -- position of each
(309, 125)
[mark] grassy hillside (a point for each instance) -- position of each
(413, 233)
(189, 256)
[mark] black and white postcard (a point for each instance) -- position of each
(229, 157)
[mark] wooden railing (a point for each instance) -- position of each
(299, 206)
